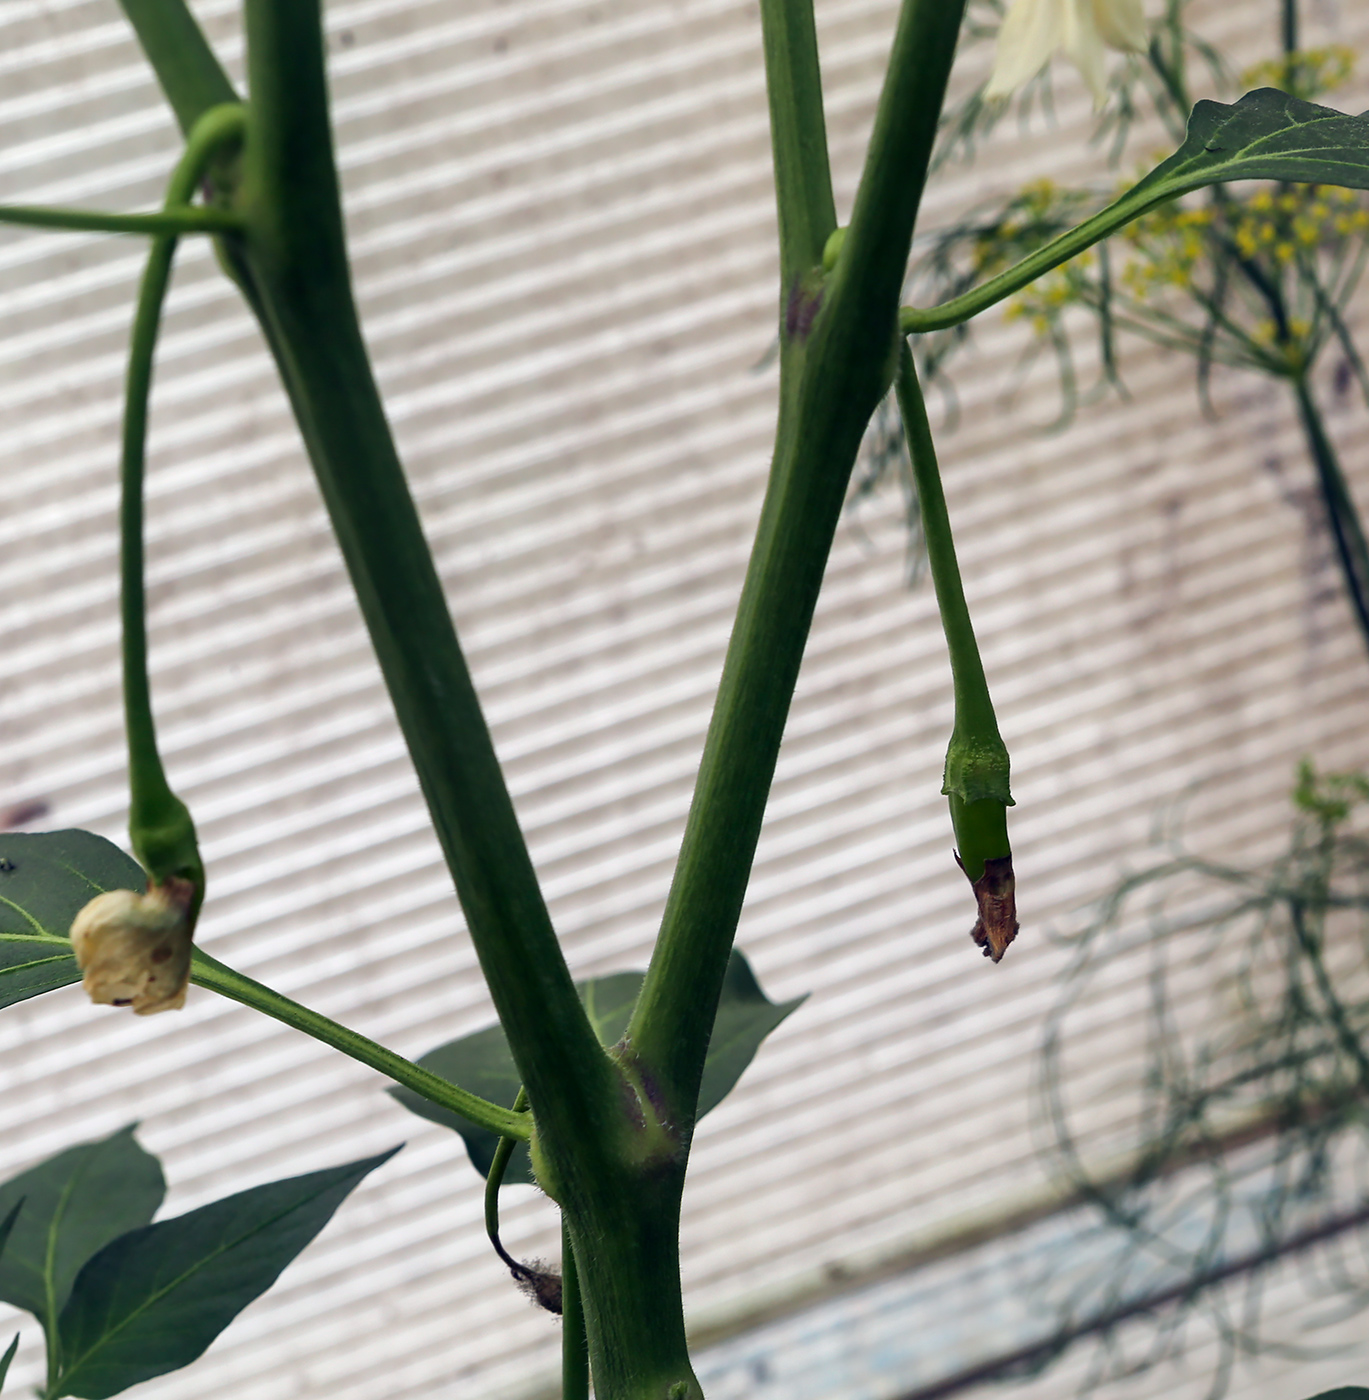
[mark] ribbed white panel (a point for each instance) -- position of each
(563, 232)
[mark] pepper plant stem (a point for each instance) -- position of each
(296, 258)
(190, 75)
(836, 360)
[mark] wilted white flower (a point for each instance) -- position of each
(1033, 30)
(134, 949)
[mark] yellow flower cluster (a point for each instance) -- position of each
(1307, 74)
(1028, 221)
(1172, 243)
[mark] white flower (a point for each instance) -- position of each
(134, 949)
(1033, 30)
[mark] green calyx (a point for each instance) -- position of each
(163, 837)
(977, 767)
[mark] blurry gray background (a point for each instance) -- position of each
(562, 223)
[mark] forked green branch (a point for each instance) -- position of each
(837, 359)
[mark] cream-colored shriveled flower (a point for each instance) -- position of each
(134, 949)
(1033, 30)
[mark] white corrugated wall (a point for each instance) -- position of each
(563, 232)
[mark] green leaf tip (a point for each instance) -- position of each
(1266, 135)
(74, 1204)
(152, 1300)
(7, 1358)
(483, 1063)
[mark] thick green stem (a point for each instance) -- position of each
(1342, 514)
(798, 136)
(837, 359)
(624, 1238)
(296, 260)
(209, 972)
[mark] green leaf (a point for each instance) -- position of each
(1346, 1392)
(1267, 135)
(483, 1064)
(46, 879)
(745, 1017)
(73, 1205)
(7, 1358)
(152, 1300)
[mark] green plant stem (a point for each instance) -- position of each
(295, 258)
(977, 765)
(162, 832)
(798, 136)
(494, 1178)
(833, 373)
(972, 698)
(1341, 512)
(914, 321)
(574, 1345)
(189, 219)
(209, 972)
(190, 75)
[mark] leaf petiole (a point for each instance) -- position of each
(1267, 135)
(209, 972)
(193, 218)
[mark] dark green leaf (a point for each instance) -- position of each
(1267, 135)
(1346, 1392)
(46, 878)
(7, 1358)
(483, 1064)
(73, 1205)
(745, 1017)
(155, 1298)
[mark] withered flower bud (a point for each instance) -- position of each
(134, 949)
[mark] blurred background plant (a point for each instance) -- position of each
(1242, 1139)
(1253, 277)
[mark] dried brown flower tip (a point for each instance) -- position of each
(539, 1284)
(996, 894)
(134, 949)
